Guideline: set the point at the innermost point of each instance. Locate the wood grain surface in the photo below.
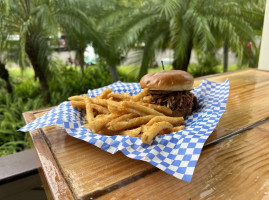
(237, 168)
(90, 172)
(247, 103)
(55, 182)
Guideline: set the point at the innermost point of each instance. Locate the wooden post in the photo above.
(264, 51)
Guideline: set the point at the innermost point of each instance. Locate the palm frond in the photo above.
(151, 45)
(168, 8)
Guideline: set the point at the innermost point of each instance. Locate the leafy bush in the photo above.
(28, 89)
(26, 96)
(64, 81)
(207, 64)
(67, 81)
(11, 109)
(128, 73)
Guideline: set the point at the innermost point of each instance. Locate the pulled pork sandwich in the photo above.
(172, 89)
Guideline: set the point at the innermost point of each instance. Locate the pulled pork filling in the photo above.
(177, 100)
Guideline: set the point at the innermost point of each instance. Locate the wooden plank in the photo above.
(80, 163)
(247, 103)
(56, 182)
(90, 171)
(234, 169)
(87, 169)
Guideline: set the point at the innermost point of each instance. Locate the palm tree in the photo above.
(35, 21)
(108, 15)
(5, 76)
(4, 44)
(184, 25)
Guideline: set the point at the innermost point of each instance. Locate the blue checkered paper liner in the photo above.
(176, 153)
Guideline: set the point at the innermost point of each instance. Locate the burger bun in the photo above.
(170, 80)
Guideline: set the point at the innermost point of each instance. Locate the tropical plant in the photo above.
(11, 109)
(36, 21)
(5, 76)
(108, 14)
(185, 25)
(3, 46)
(66, 81)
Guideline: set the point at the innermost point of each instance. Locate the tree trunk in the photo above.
(81, 68)
(5, 76)
(81, 61)
(183, 63)
(80, 57)
(32, 52)
(113, 72)
(225, 56)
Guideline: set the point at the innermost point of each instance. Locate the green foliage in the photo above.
(29, 89)
(37, 22)
(207, 64)
(65, 81)
(129, 73)
(26, 97)
(183, 25)
(11, 109)
(197, 70)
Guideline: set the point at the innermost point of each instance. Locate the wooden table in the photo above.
(234, 163)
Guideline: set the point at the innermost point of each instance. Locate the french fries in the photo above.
(98, 124)
(105, 93)
(100, 109)
(76, 98)
(140, 95)
(171, 120)
(133, 132)
(124, 117)
(141, 108)
(113, 113)
(89, 109)
(132, 123)
(154, 130)
(119, 96)
(78, 104)
(147, 99)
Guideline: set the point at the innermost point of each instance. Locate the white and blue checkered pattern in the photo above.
(175, 153)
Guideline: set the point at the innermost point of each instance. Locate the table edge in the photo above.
(36, 135)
